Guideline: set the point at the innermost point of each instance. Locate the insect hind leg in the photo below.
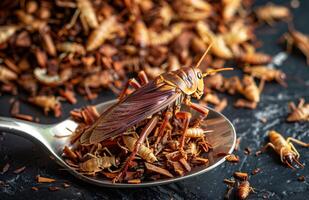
(301, 143)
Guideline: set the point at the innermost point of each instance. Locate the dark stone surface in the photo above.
(274, 182)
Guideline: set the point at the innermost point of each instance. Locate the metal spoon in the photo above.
(54, 137)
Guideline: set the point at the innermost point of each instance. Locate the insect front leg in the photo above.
(199, 108)
(149, 127)
(131, 82)
(186, 116)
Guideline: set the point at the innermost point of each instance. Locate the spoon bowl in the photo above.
(54, 137)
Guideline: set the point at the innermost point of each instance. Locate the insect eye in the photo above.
(199, 75)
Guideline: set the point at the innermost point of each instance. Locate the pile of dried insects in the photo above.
(52, 50)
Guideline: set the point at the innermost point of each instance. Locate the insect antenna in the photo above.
(302, 166)
(217, 70)
(289, 165)
(203, 56)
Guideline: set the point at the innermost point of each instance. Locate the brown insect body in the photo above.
(244, 190)
(272, 12)
(47, 103)
(97, 164)
(101, 33)
(88, 13)
(250, 90)
(285, 148)
(167, 89)
(266, 73)
(299, 113)
(143, 151)
(6, 74)
(300, 40)
(6, 32)
(195, 133)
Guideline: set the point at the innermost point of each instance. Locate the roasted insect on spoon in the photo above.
(155, 106)
(285, 148)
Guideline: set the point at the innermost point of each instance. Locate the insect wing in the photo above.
(141, 104)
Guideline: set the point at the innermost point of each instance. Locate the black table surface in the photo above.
(275, 181)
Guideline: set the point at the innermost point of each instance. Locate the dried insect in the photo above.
(166, 13)
(244, 189)
(243, 103)
(300, 40)
(88, 13)
(238, 34)
(193, 10)
(141, 35)
(272, 12)
(255, 58)
(165, 36)
(299, 113)
(102, 33)
(232, 158)
(241, 175)
(250, 90)
(6, 32)
(54, 80)
(7, 75)
(267, 74)
(193, 149)
(231, 85)
(215, 81)
(47, 103)
(164, 89)
(230, 8)
(143, 151)
(30, 21)
(97, 164)
(219, 47)
(71, 47)
(196, 132)
(285, 148)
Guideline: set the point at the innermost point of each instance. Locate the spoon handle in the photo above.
(29, 130)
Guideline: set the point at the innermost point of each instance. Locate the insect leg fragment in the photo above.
(149, 127)
(186, 116)
(143, 77)
(301, 143)
(268, 145)
(166, 119)
(201, 109)
(131, 82)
